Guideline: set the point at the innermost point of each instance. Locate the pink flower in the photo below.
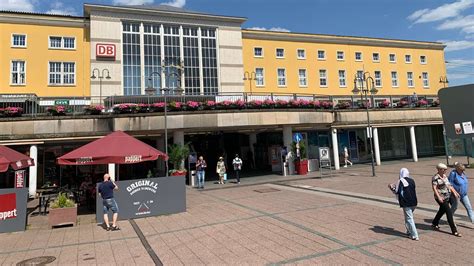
(239, 103)
(269, 102)
(226, 103)
(192, 104)
(210, 103)
(159, 105)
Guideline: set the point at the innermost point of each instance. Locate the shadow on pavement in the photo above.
(387, 231)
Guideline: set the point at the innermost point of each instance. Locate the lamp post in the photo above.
(364, 91)
(250, 76)
(100, 76)
(444, 80)
(179, 67)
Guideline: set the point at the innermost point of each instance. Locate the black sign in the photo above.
(13, 209)
(147, 197)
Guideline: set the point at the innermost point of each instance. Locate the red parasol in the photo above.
(117, 147)
(16, 160)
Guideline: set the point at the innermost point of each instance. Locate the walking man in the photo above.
(237, 162)
(106, 191)
(201, 171)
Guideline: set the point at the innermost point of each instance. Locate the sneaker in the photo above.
(345, 166)
(415, 238)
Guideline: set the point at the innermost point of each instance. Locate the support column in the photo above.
(287, 141)
(160, 163)
(335, 148)
(375, 134)
(112, 171)
(33, 171)
(413, 144)
(252, 142)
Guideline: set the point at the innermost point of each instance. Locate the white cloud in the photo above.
(452, 77)
(270, 29)
(460, 63)
(440, 13)
(58, 8)
(132, 2)
(176, 3)
(17, 5)
(457, 45)
(466, 24)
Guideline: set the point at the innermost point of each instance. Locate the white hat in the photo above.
(441, 166)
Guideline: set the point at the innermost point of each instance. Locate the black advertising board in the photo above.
(147, 197)
(457, 109)
(13, 209)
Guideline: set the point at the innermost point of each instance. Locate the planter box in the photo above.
(62, 216)
(301, 167)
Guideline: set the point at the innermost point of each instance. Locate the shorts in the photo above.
(110, 204)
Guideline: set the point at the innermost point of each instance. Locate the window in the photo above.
(56, 42)
(342, 78)
(301, 54)
(376, 57)
(281, 77)
(378, 79)
(18, 40)
(62, 73)
(358, 56)
(18, 73)
(426, 82)
(302, 78)
(132, 60)
(280, 53)
(407, 58)
(422, 59)
(392, 58)
(259, 77)
(394, 79)
(323, 78)
(321, 55)
(360, 76)
(258, 52)
(410, 79)
(340, 55)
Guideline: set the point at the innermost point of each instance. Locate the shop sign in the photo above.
(13, 209)
(20, 178)
(61, 102)
(324, 153)
(105, 50)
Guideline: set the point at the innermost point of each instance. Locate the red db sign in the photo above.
(103, 50)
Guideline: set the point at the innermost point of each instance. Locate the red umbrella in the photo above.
(117, 147)
(16, 160)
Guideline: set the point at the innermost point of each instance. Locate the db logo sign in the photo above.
(103, 50)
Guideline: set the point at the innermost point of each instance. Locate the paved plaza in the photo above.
(349, 218)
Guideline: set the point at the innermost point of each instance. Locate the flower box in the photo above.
(402, 104)
(94, 109)
(192, 105)
(143, 108)
(157, 107)
(344, 105)
(56, 110)
(326, 104)
(384, 104)
(422, 103)
(209, 105)
(176, 106)
(281, 104)
(11, 111)
(62, 216)
(125, 108)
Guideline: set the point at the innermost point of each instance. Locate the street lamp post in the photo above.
(100, 76)
(364, 91)
(444, 80)
(250, 76)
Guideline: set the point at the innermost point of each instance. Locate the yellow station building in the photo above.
(286, 62)
(46, 55)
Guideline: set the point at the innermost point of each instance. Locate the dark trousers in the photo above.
(445, 208)
(237, 175)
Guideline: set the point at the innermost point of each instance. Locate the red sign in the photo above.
(8, 206)
(20, 179)
(104, 50)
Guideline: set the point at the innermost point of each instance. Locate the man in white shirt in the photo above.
(237, 163)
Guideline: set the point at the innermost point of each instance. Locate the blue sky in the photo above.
(448, 21)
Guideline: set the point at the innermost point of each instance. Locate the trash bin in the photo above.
(193, 178)
(302, 167)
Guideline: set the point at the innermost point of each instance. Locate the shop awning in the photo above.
(13, 159)
(117, 147)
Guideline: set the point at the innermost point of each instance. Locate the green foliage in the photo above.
(177, 154)
(303, 154)
(62, 201)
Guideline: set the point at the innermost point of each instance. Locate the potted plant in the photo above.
(12, 111)
(301, 162)
(344, 105)
(422, 103)
(177, 154)
(56, 110)
(384, 104)
(125, 108)
(94, 109)
(62, 211)
(402, 103)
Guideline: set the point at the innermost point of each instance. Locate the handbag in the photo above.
(225, 176)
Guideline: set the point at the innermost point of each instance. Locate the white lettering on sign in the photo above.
(142, 185)
(133, 159)
(8, 214)
(84, 160)
(105, 50)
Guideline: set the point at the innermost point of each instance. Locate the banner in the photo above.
(20, 178)
(13, 209)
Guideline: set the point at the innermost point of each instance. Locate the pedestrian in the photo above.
(106, 191)
(201, 171)
(220, 169)
(237, 163)
(346, 157)
(405, 189)
(459, 181)
(442, 192)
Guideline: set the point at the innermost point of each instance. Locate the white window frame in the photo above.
(425, 80)
(394, 58)
(361, 56)
(298, 53)
(276, 53)
(359, 75)
(305, 78)
(254, 52)
(325, 78)
(18, 73)
(378, 57)
(19, 46)
(408, 56)
(62, 42)
(410, 80)
(324, 53)
(257, 77)
(343, 56)
(342, 84)
(379, 79)
(283, 78)
(394, 80)
(62, 73)
(421, 61)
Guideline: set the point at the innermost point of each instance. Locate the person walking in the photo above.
(405, 189)
(346, 157)
(442, 192)
(201, 171)
(459, 181)
(237, 163)
(106, 191)
(220, 169)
